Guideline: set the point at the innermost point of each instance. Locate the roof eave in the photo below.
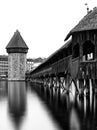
(68, 35)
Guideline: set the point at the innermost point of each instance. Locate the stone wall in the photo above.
(16, 66)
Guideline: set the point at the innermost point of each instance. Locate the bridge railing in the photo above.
(62, 65)
(88, 69)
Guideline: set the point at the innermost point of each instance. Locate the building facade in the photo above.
(31, 64)
(3, 65)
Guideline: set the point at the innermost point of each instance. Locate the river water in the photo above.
(21, 108)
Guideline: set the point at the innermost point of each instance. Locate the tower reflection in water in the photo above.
(17, 101)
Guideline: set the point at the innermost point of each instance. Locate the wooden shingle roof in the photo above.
(17, 41)
(89, 22)
(50, 58)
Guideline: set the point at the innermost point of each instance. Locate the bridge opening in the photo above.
(69, 49)
(88, 51)
(75, 51)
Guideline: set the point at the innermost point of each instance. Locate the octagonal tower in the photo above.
(17, 50)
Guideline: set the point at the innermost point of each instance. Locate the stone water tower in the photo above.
(17, 50)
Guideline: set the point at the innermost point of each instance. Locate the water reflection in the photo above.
(83, 113)
(26, 110)
(74, 120)
(22, 108)
(17, 101)
(3, 89)
(74, 111)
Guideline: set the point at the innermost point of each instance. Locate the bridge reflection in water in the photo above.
(71, 110)
(23, 107)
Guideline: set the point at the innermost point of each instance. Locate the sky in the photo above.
(43, 24)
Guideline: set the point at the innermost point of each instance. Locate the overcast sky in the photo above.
(43, 24)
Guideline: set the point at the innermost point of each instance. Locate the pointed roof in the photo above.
(17, 42)
(89, 22)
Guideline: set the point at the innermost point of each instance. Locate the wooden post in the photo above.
(95, 55)
(59, 91)
(95, 41)
(81, 52)
(81, 85)
(51, 90)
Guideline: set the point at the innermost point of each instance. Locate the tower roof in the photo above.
(17, 42)
(89, 22)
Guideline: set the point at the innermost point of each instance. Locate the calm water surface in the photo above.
(21, 108)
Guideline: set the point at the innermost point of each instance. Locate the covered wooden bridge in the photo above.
(75, 61)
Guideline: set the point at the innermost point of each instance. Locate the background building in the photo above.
(3, 65)
(31, 64)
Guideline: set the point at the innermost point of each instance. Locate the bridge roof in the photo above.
(54, 55)
(89, 22)
(17, 41)
(59, 50)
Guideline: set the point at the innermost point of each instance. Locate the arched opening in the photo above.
(76, 51)
(88, 51)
